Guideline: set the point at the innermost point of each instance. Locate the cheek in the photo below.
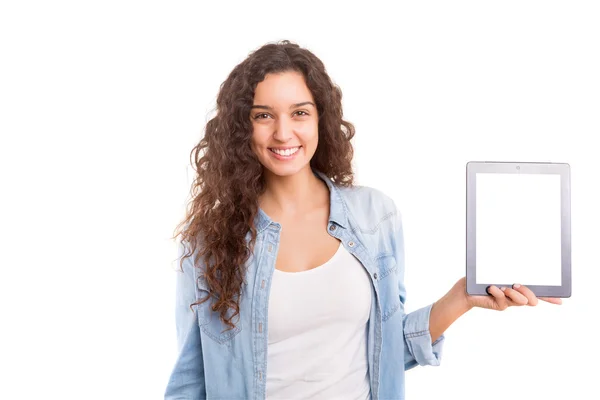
(312, 136)
(309, 132)
(258, 139)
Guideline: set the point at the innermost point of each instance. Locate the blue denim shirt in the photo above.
(213, 364)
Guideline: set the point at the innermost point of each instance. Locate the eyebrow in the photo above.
(292, 106)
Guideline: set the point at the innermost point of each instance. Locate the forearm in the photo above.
(447, 310)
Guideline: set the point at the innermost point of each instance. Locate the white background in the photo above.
(101, 103)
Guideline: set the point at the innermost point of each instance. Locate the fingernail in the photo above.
(516, 286)
(487, 289)
(503, 288)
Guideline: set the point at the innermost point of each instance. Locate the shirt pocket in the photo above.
(210, 321)
(387, 282)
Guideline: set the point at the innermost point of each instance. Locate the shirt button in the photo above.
(270, 247)
(332, 227)
(351, 243)
(375, 275)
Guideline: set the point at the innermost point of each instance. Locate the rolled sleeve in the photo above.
(418, 347)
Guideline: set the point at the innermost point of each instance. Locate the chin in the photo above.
(285, 170)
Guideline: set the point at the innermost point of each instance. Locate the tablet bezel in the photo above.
(562, 169)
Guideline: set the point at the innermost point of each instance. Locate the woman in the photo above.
(292, 277)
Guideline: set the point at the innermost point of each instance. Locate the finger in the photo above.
(501, 300)
(517, 298)
(532, 300)
(553, 300)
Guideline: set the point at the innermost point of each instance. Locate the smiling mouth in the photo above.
(285, 152)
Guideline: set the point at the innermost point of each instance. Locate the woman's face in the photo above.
(285, 122)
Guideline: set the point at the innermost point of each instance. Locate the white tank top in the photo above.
(317, 346)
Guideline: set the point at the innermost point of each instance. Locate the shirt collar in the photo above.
(337, 207)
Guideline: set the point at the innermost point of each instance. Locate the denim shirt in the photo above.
(216, 364)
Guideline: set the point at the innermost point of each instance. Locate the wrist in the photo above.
(459, 296)
(448, 309)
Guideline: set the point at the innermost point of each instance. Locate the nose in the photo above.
(283, 130)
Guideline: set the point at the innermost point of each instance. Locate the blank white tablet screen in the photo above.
(518, 229)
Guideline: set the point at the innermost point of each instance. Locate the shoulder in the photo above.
(185, 258)
(189, 265)
(188, 250)
(369, 206)
(359, 194)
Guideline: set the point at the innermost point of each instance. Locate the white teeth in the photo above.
(286, 152)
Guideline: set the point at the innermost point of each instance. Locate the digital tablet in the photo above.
(519, 226)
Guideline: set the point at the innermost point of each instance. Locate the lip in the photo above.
(283, 148)
(284, 158)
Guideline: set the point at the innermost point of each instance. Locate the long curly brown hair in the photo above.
(229, 180)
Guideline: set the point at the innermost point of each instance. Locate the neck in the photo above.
(292, 195)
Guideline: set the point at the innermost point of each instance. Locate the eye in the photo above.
(303, 113)
(259, 116)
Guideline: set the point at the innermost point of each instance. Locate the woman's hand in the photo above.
(504, 297)
(457, 302)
